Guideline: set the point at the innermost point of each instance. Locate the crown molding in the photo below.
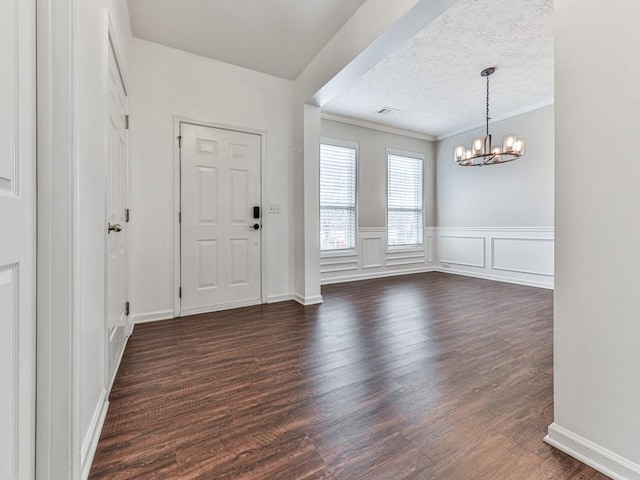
(453, 133)
(358, 122)
(376, 126)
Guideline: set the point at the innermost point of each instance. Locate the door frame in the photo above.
(112, 43)
(177, 121)
(57, 409)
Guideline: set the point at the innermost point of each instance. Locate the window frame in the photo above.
(414, 247)
(338, 142)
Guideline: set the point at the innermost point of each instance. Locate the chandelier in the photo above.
(482, 151)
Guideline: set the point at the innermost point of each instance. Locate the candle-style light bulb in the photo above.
(508, 142)
(478, 145)
(519, 146)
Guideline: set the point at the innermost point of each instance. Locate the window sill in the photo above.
(338, 253)
(406, 249)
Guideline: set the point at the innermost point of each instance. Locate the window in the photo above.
(337, 196)
(404, 200)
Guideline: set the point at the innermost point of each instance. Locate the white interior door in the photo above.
(220, 238)
(17, 239)
(116, 297)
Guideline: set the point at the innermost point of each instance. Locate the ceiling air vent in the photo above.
(387, 111)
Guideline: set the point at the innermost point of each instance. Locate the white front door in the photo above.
(17, 239)
(116, 228)
(220, 231)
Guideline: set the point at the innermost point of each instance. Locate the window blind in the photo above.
(337, 197)
(404, 200)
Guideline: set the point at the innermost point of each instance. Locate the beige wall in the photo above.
(372, 169)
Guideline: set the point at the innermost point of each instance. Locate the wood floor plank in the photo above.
(421, 377)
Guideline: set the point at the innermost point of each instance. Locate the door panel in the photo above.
(239, 196)
(117, 320)
(239, 261)
(207, 264)
(220, 249)
(9, 295)
(207, 199)
(17, 239)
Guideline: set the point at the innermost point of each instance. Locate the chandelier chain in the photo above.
(487, 105)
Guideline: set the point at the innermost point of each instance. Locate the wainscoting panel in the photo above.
(372, 251)
(394, 259)
(522, 255)
(430, 243)
(372, 259)
(461, 249)
(341, 263)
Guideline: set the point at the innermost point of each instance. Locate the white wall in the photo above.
(168, 82)
(515, 194)
(371, 34)
(597, 297)
(90, 213)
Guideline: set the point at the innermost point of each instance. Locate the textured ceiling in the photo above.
(434, 78)
(279, 37)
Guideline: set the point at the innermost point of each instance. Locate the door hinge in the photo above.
(127, 215)
(180, 141)
(126, 122)
(179, 217)
(179, 292)
(127, 308)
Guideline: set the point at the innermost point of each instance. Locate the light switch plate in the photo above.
(275, 208)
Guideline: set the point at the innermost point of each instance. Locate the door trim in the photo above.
(177, 121)
(57, 412)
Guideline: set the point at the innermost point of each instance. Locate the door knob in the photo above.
(116, 227)
(256, 226)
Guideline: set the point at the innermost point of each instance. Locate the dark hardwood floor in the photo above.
(428, 376)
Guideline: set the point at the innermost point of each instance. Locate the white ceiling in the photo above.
(434, 79)
(279, 37)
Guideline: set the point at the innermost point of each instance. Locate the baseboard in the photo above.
(168, 314)
(603, 460)
(90, 443)
(497, 278)
(306, 301)
(129, 331)
(115, 370)
(285, 297)
(372, 275)
(152, 316)
(220, 307)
